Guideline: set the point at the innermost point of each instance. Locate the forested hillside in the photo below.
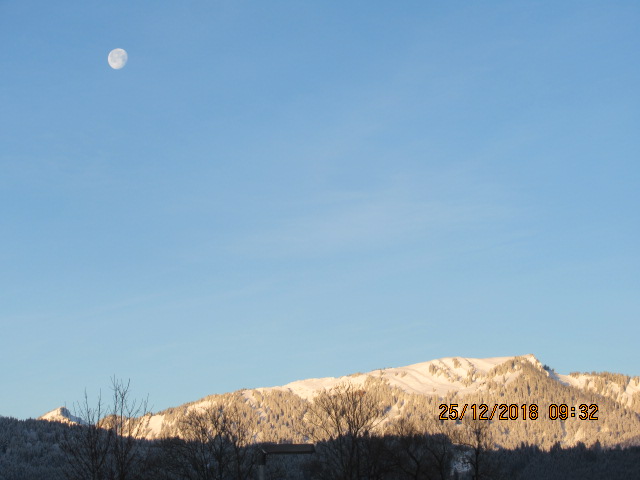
(519, 381)
(497, 418)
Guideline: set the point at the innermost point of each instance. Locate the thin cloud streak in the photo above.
(369, 222)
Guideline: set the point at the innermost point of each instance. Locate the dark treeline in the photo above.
(39, 450)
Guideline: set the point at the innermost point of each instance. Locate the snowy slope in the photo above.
(620, 388)
(436, 377)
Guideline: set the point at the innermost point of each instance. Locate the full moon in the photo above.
(118, 58)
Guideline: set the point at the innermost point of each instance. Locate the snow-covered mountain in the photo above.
(62, 415)
(464, 376)
(418, 388)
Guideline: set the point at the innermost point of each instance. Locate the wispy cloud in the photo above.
(346, 222)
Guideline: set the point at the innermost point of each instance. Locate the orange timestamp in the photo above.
(514, 411)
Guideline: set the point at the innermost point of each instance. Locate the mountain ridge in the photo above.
(417, 390)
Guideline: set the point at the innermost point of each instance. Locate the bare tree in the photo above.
(127, 423)
(410, 455)
(107, 445)
(343, 418)
(203, 451)
(439, 445)
(217, 441)
(422, 449)
(477, 435)
(86, 446)
(240, 426)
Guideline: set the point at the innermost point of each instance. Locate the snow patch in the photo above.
(155, 425)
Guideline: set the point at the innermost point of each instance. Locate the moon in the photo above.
(117, 58)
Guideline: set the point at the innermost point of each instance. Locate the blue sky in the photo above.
(271, 191)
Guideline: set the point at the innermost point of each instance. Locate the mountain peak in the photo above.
(63, 415)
